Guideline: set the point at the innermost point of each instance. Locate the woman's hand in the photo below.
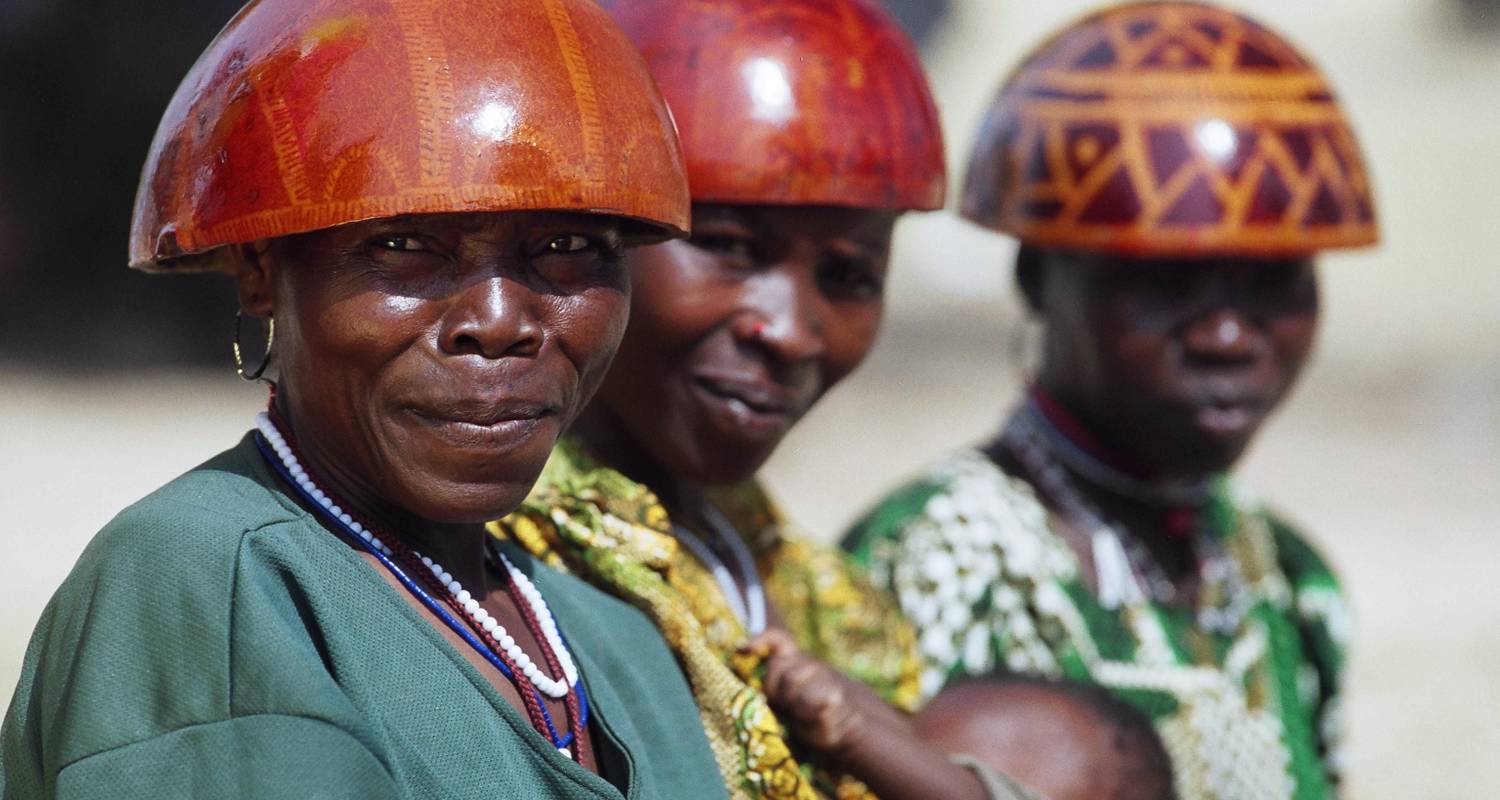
(848, 722)
(825, 709)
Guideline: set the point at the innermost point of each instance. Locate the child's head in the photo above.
(1069, 741)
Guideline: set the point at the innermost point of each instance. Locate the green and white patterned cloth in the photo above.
(1252, 714)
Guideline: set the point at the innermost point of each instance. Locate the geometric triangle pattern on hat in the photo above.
(1171, 129)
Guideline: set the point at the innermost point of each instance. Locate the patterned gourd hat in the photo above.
(306, 114)
(1170, 129)
(794, 102)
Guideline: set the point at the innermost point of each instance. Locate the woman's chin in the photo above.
(727, 464)
(471, 496)
(471, 504)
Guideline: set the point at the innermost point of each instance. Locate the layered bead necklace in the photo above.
(1127, 572)
(437, 590)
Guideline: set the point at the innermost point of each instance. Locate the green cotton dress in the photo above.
(214, 640)
(1245, 714)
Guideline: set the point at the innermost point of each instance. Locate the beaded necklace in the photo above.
(1128, 574)
(1077, 449)
(479, 629)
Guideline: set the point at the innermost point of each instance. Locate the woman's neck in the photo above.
(1159, 515)
(1067, 415)
(611, 442)
(460, 548)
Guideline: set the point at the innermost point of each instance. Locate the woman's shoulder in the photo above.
(967, 550)
(1297, 556)
(175, 560)
(178, 551)
(136, 640)
(960, 497)
(190, 532)
(216, 501)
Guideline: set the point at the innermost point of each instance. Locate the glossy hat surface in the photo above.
(807, 102)
(306, 114)
(1173, 129)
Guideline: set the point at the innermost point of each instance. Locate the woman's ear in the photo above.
(253, 274)
(1031, 277)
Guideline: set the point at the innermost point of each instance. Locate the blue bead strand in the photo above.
(559, 741)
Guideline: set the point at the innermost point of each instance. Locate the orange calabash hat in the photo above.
(1170, 129)
(306, 114)
(801, 102)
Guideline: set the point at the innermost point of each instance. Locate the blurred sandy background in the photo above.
(1387, 453)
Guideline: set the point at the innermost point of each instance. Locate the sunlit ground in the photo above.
(1396, 476)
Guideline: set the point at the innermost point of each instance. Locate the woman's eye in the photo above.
(570, 243)
(401, 244)
(731, 246)
(848, 277)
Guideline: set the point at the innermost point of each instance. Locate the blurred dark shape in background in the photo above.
(921, 17)
(1479, 16)
(82, 86)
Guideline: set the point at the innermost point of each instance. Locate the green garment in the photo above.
(214, 640)
(1249, 713)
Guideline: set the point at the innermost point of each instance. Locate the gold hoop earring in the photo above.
(239, 362)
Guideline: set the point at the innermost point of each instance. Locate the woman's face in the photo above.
(1176, 363)
(735, 333)
(431, 362)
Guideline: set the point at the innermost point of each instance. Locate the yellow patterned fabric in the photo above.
(613, 532)
(826, 600)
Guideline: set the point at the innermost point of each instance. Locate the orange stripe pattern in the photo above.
(305, 114)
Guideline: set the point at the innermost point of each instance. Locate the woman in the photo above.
(430, 204)
(808, 129)
(1172, 170)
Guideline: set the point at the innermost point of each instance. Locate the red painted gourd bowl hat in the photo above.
(1170, 129)
(794, 102)
(307, 114)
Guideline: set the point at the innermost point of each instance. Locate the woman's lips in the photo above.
(745, 409)
(1226, 420)
(1226, 417)
(762, 397)
(472, 425)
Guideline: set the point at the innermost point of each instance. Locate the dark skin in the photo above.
(1174, 365)
(734, 335)
(1050, 740)
(428, 364)
(858, 731)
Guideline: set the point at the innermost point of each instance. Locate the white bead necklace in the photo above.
(551, 687)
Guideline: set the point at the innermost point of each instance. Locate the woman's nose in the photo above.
(493, 318)
(1224, 334)
(787, 317)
